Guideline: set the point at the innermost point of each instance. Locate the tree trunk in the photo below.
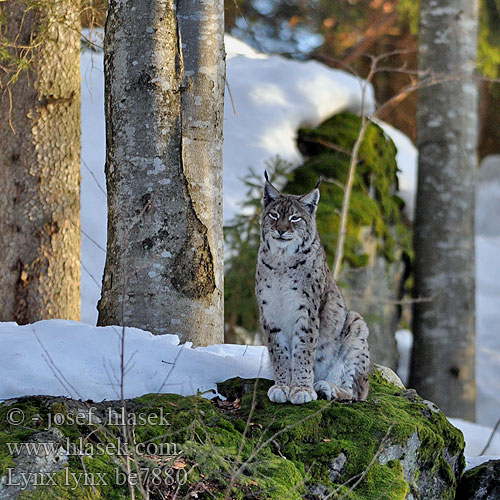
(40, 165)
(444, 327)
(164, 90)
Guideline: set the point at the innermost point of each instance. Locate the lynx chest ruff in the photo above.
(285, 291)
(316, 345)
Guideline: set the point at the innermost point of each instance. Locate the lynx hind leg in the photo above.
(347, 377)
(357, 359)
(331, 391)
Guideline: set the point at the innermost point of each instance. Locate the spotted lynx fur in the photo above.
(316, 345)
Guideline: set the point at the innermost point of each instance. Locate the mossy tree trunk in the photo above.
(164, 90)
(40, 163)
(444, 325)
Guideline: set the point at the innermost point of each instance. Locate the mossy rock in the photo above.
(250, 448)
(481, 482)
(374, 203)
(377, 247)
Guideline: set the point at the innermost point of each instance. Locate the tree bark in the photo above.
(164, 90)
(444, 327)
(40, 165)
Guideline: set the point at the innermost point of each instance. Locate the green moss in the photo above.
(387, 479)
(33, 418)
(258, 449)
(373, 203)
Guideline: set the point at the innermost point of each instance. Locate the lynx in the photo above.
(317, 347)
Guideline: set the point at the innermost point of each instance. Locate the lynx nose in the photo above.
(281, 228)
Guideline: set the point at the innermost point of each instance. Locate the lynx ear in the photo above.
(270, 192)
(311, 199)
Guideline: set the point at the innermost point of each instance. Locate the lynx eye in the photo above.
(273, 216)
(294, 218)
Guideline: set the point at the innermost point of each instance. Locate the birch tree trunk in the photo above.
(40, 164)
(164, 90)
(444, 327)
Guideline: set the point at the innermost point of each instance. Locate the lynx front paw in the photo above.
(301, 395)
(278, 393)
(331, 391)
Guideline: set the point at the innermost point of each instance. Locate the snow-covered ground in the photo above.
(271, 98)
(68, 358)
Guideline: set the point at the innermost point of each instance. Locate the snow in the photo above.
(404, 340)
(67, 358)
(488, 291)
(270, 98)
(406, 158)
(476, 437)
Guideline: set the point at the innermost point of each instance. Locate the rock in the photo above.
(393, 446)
(35, 465)
(481, 482)
(388, 375)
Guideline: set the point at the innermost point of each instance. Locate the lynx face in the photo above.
(288, 221)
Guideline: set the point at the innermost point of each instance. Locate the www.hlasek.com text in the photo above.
(84, 448)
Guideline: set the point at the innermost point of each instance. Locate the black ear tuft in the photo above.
(270, 192)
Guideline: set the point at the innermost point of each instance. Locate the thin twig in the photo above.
(54, 368)
(486, 446)
(374, 300)
(432, 80)
(339, 250)
(91, 239)
(245, 431)
(231, 97)
(287, 428)
(328, 144)
(98, 285)
(125, 427)
(103, 191)
(94, 491)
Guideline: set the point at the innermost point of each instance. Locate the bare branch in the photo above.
(487, 445)
(103, 191)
